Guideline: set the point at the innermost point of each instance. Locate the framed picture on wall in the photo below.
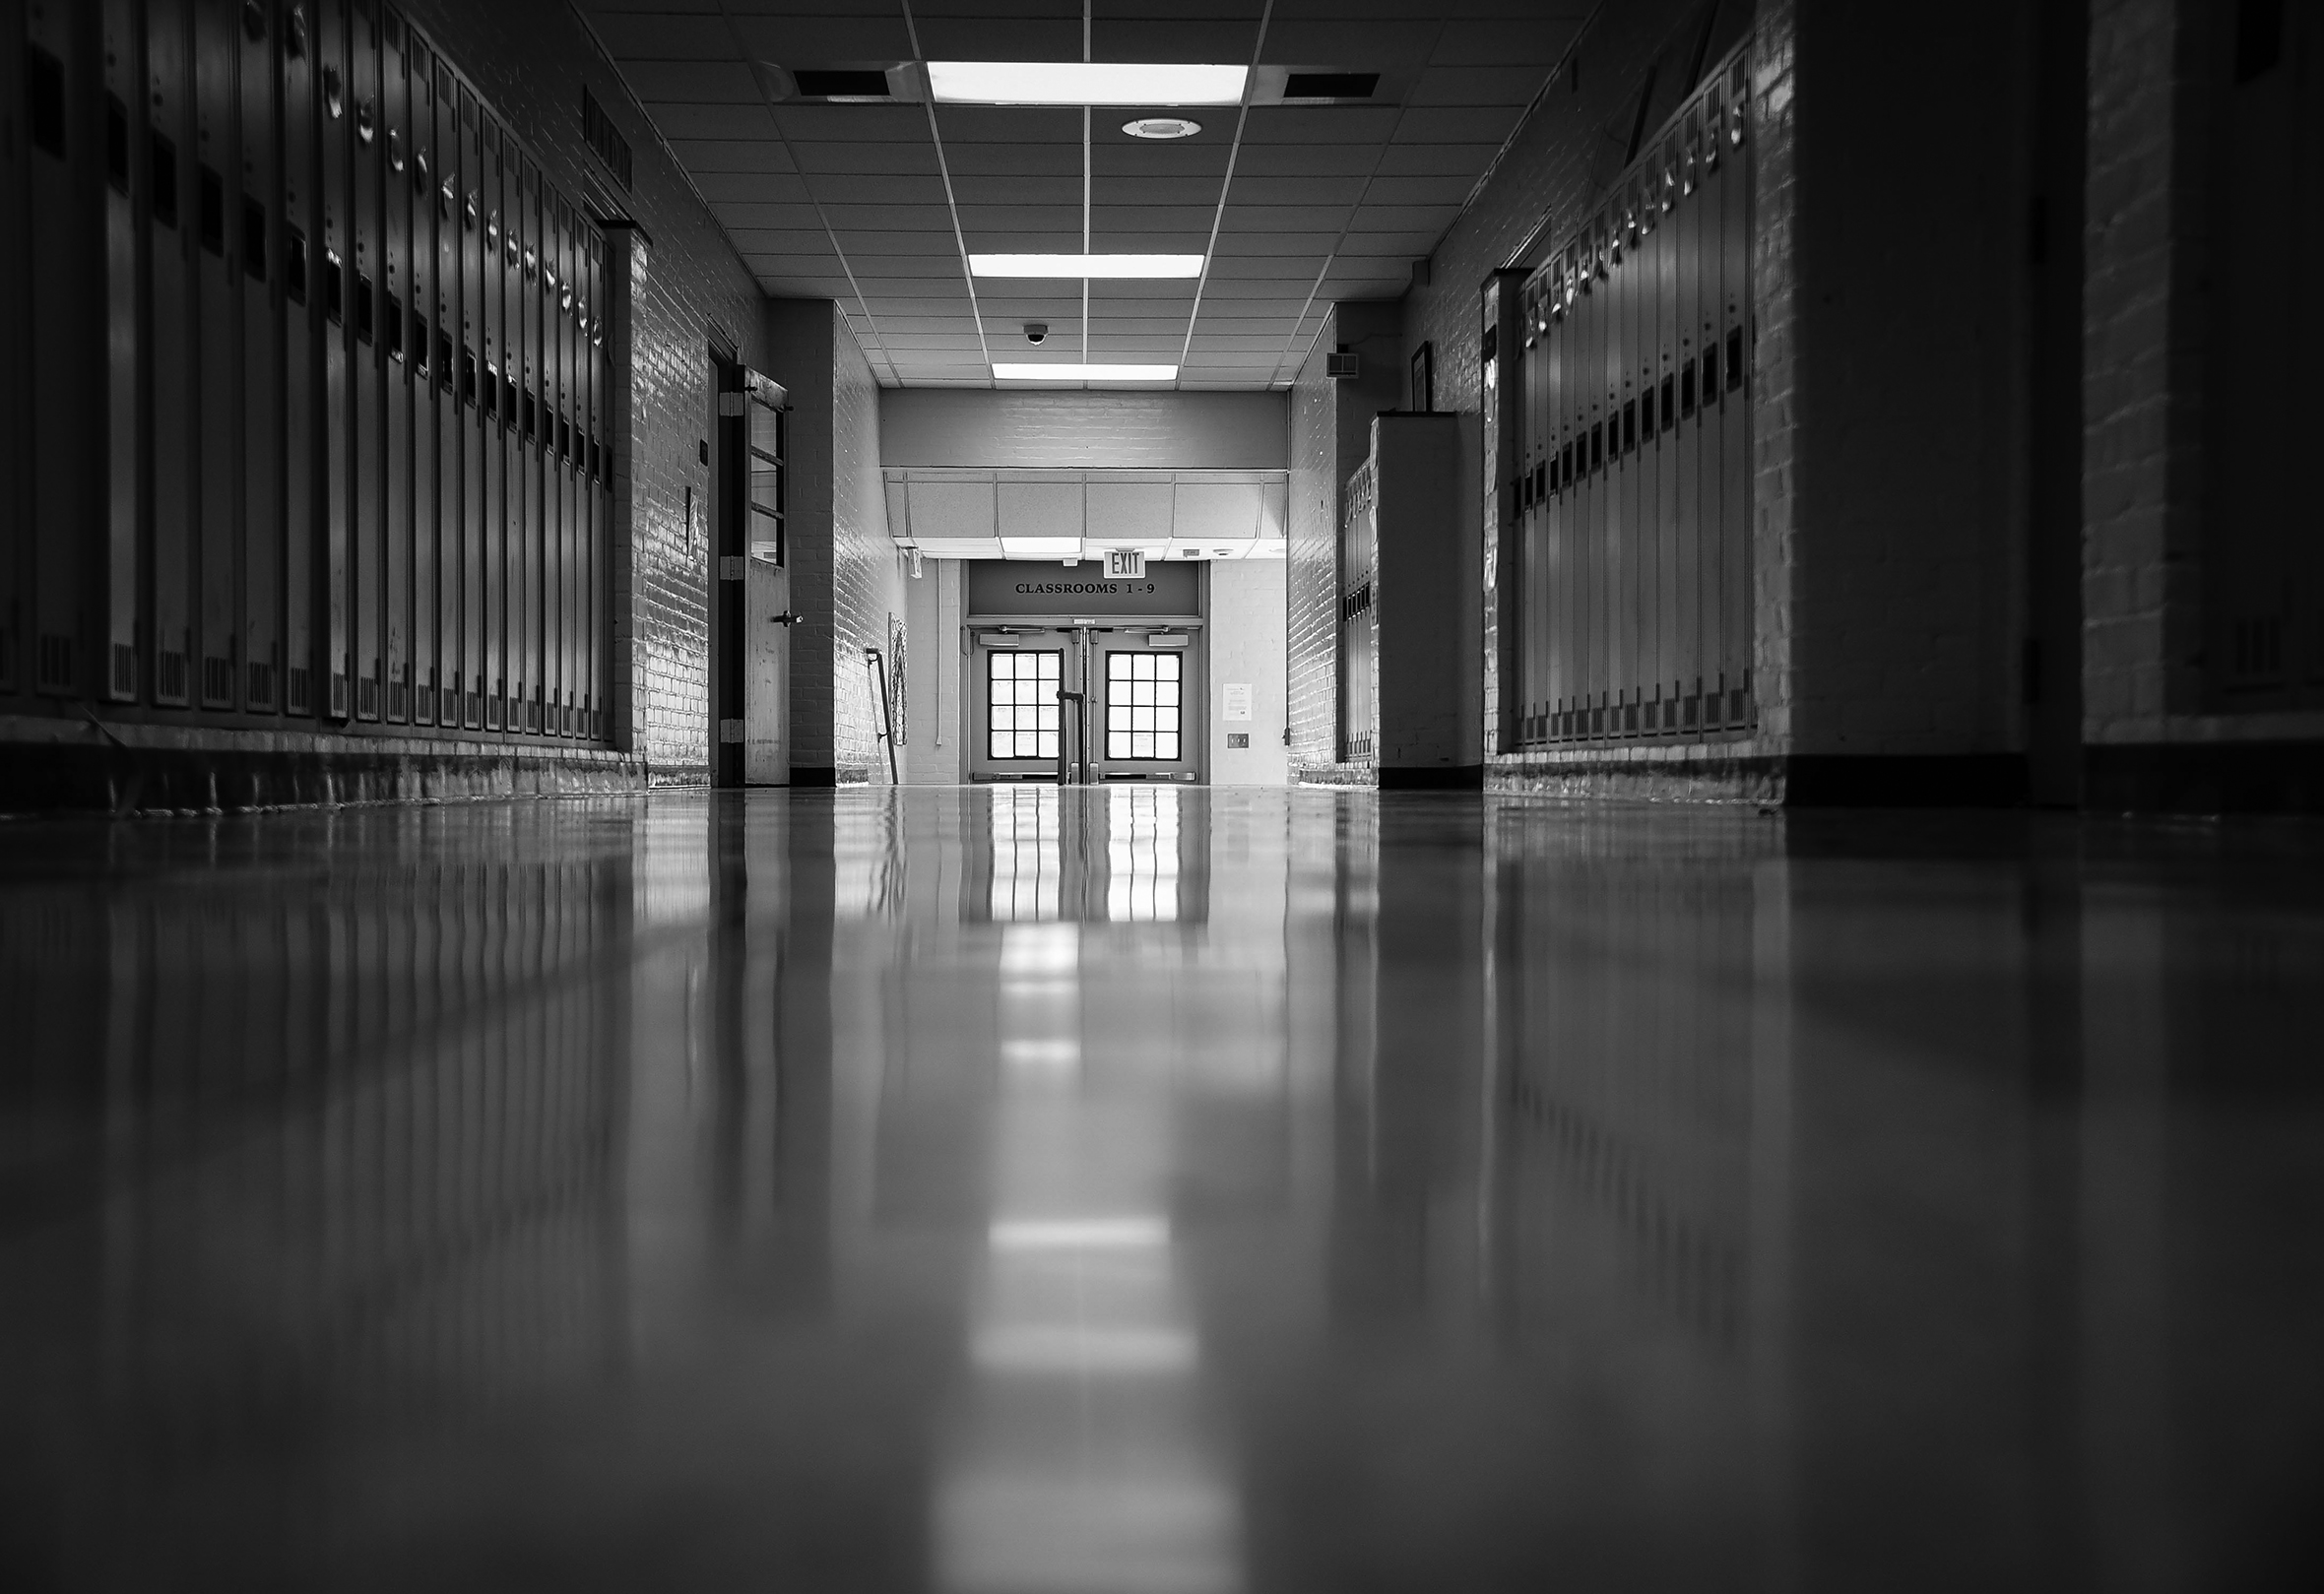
(1424, 377)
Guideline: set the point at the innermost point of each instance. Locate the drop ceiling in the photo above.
(875, 204)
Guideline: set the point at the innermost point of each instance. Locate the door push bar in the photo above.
(1073, 771)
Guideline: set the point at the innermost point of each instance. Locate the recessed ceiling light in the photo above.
(1084, 83)
(1161, 127)
(1079, 266)
(1058, 371)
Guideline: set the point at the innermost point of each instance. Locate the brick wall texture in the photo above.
(532, 58)
(2142, 386)
(1312, 574)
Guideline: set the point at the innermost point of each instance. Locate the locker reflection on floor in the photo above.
(1161, 1189)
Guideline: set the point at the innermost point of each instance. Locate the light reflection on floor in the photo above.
(1149, 1188)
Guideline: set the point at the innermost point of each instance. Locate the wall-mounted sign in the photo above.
(1126, 564)
(1081, 593)
(1237, 709)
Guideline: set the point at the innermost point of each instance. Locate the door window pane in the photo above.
(1021, 688)
(1142, 706)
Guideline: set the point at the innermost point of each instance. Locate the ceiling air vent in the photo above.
(840, 84)
(1330, 84)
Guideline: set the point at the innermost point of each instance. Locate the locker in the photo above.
(1669, 515)
(170, 320)
(302, 319)
(124, 475)
(335, 280)
(394, 163)
(1735, 406)
(493, 671)
(419, 198)
(597, 613)
(367, 369)
(475, 424)
(451, 335)
(16, 510)
(261, 646)
(528, 503)
(1687, 230)
(1616, 678)
(557, 669)
(1702, 129)
(218, 352)
(61, 155)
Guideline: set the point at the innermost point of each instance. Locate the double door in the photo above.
(1103, 703)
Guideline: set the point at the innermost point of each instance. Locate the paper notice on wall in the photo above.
(1238, 702)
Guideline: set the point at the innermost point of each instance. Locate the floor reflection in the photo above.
(1153, 1189)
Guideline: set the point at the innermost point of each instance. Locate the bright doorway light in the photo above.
(1084, 83)
(1083, 266)
(1058, 371)
(1041, 547)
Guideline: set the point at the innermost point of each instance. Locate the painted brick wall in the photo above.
(1229, 431)
(1312, 565)
(1247, 645)
(866, 576)
(844, 577)
(2142, 384)
(532, 58)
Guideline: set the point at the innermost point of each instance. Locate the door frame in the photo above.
(1084, 643)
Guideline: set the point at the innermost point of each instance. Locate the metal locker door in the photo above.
(1687, 231)
(1622, 416)
(63, 152)
(367, 370)
(1711, 289)
(596, 599)
(1594, 540)
(302, 349)
(491, 664)
(451, 337)
(262, 365)
(1668, 517)
(572, 306)
(219, 357)
(15, 232)
(124, 475)
(1739, 630)
(419, 354)
(529, 503)
(476, 380)
(1639, 372)
(335, 281)
(393, 165)
(170, 323)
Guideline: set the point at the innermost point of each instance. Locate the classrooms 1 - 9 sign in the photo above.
(1018, 588)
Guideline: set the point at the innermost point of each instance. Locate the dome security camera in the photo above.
(1036, 331)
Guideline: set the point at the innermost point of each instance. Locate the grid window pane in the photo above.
(1142, 705)
(1020, 687)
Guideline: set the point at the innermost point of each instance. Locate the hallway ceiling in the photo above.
(1295, 203)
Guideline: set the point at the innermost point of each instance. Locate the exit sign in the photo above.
(1124, 563)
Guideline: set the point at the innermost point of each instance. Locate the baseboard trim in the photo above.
(2204, 777)
(1805, 781)
(125, 781)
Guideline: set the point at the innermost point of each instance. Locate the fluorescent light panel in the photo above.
(1058, 371)
(1083, 266)
(1041, 547)
(1084, 83)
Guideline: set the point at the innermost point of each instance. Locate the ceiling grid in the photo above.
(1291, 203)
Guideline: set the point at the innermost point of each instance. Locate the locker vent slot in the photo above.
(367, 697)
(118, 144)
(363, 308)
(254, 250)
(338, 695)
(45, 100)
(169, 677)
(398, 701)
(125, 669)
(212, 198)
(262, 686)
(164, 180)
(420, 343)
(56, 663)
(217, 682)
(300, 700)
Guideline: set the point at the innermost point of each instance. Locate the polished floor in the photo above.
(1156, 1190)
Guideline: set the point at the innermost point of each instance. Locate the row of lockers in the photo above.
(1632, 489)
(306, 378)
